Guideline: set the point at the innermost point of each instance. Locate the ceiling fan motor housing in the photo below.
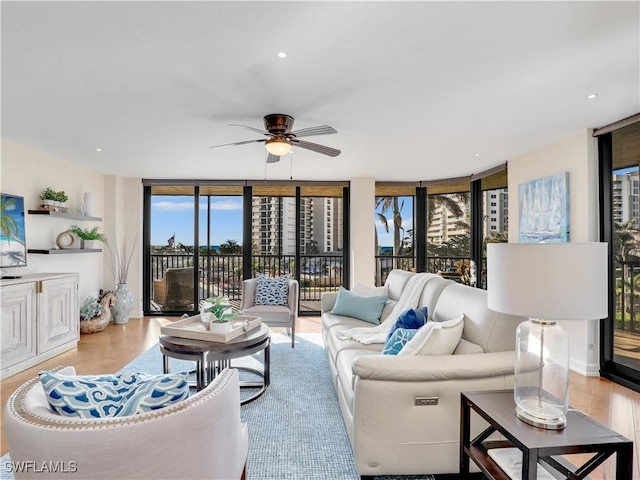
(278, 123)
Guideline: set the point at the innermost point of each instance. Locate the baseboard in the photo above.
(585, 369)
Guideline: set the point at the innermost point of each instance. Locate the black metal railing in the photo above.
(222, 274)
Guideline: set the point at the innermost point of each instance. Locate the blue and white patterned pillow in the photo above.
(272, 291)
(97, 396)
(398, 339)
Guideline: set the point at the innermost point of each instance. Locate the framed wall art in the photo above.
(543, 209)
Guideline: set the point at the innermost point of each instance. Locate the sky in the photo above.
(174, 215)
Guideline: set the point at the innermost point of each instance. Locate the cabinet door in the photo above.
(18, 323)
(58, 319)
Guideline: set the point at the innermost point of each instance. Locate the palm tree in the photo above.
(385, 204)
(8, 225)
(625, 241)
(230, 247)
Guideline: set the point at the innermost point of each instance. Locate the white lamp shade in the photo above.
(555, 281)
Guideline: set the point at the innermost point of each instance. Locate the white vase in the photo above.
(217, 327)
(88, 203)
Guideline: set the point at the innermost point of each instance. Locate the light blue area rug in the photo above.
(295, 428)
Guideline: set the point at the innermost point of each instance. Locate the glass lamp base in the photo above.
(544, 416)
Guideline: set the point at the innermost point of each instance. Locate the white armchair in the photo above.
(272, 315)
(200, 437)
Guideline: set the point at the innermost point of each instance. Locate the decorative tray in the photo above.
(192, 327)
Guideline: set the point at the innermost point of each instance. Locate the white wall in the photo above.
(576, 155)
(26, 172)
(362, 227)
(127, 222)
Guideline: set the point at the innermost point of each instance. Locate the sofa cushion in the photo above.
(465, 347)
(363, 307)
(398, 340)
(272, 291)
(98, 396)
(435, 338)
(362, 289)
(412, 318)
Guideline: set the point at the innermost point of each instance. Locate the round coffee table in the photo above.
(213, 357)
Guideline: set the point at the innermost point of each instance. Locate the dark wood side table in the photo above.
(581, 435)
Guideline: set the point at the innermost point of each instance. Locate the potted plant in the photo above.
(89, 236)
(95, 313)
(47, 198)
(61, 198)
(217, 313)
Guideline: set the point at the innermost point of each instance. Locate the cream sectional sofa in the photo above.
(378, 393)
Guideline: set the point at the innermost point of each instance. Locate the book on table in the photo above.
(510, 461)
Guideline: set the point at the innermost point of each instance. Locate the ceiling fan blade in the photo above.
(318, 130)
(240, 143)
(271, 158)
(249, 128)
(332, 152)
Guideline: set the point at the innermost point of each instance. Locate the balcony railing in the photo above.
(222, 274)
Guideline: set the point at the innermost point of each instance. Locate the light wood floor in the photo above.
(612, 405)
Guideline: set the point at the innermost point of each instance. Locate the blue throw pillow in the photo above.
(398, 340)
(363, 307)
(98, 396)
(272, 291)
(412, 318)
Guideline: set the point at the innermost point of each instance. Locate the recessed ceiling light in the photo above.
(282, 54)
(477, 154)
(98, 149)
(592, 96)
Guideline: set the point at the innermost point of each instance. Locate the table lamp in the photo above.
(546, 282)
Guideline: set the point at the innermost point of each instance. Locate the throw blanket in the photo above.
(408, 299)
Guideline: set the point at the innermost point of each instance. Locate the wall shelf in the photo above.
(63, 251)
(72, 216)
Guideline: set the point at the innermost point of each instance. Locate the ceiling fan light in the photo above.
(278, 146)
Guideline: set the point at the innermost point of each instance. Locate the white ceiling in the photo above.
(414, 89)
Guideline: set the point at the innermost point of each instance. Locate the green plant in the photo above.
(220, 307)
(90, 308)
(48, 194)
(61, 196)
(88, 234)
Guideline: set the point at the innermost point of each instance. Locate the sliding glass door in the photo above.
(620, 218)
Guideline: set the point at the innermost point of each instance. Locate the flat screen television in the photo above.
(13, 241)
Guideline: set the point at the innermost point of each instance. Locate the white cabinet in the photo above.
(40, 319)
(18, 325)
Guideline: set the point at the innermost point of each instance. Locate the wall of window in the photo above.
(619, 157)
(203, 239)
(394, 212)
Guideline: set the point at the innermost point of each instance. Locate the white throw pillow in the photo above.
(362, 289)
(435, 338)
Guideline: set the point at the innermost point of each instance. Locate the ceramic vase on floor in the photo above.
(123, 304)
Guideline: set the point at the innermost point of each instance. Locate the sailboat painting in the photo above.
(543, 209)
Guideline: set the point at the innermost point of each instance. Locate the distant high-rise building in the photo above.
(496, 211)
(273, 225)
(445, 225)
(625, 198)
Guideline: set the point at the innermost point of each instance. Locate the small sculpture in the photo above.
(99, 322)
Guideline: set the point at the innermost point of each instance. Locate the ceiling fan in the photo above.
(277, 127)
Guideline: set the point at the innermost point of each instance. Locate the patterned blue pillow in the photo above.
(272, 291)
(411, 318)
(398, 340)
(97, 396)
